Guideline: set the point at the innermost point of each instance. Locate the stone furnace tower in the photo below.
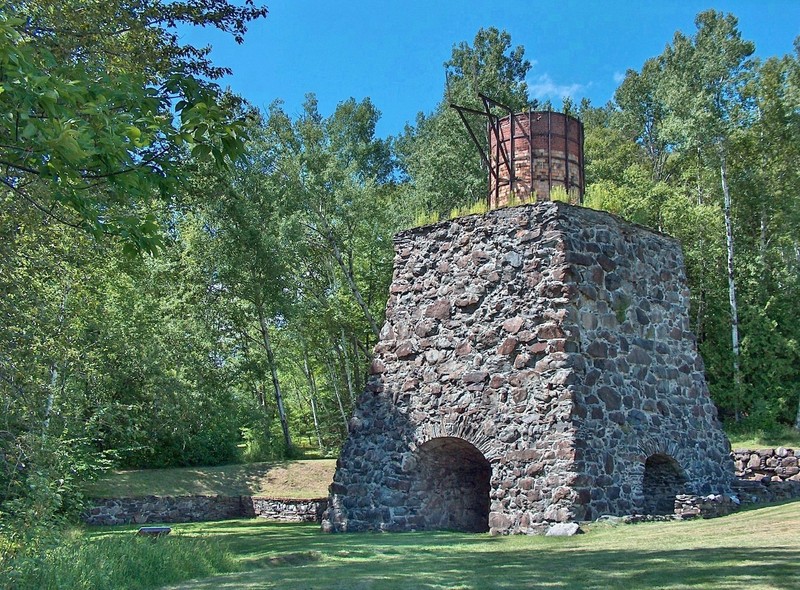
(536, 366)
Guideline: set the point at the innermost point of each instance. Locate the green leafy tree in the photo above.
(101, 103)
(334, 177)
(700, 144)
(767, 212)
(101, 109)
(702, 89)
(243, 243)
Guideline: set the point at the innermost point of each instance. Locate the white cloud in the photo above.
(619, 77)
(544, 87)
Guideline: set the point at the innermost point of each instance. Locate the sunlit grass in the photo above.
(779, 436)
(753, 549)
(288, 479)
(76, 560)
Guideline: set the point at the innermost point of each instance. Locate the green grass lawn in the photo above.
(755, 549)
(287, 479)
(779, 437)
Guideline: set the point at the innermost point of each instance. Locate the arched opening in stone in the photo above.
(663, 480)
(453, 485)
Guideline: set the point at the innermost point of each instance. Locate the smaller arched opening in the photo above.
(663, 481)
(453, 485)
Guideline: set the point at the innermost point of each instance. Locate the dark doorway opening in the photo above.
(663, 480)
(453, 485)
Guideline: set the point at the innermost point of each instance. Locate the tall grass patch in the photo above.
(77, 560)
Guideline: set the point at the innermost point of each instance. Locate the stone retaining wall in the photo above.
(168, 509)
(766, 475)
(762, 475)
(713, 505)
(779, 464)
(288, 510)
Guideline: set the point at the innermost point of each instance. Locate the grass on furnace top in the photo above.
(287, 479)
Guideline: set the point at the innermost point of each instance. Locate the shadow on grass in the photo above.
(544, 568)
(754, 549)
(295, 556)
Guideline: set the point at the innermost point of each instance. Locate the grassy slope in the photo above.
(293, 479)
(781, 437)
(754, 549)
(290, 479)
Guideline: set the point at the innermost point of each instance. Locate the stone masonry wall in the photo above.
(640, 389)
(169, 509)
(764, 475)
(779, 464)
(547, 342)
(469, 350)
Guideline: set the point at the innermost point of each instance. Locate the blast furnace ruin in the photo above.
(536, 366)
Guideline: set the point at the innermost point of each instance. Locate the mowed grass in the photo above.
(754, 549)
(287, 479)
(784, 436)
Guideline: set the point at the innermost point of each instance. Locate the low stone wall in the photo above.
(762, 475)
(287, 509)
(779, 464)
(170, 509)
(711, 506)
(766, 475)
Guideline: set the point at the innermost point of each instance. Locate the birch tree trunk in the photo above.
(274, 372)
(797, 418)
(351, 282)
(797, 258)
(53, 369)
(312, 394)
(347, 370)
(737, 378)
(335, 383)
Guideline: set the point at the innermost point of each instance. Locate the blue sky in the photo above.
(393, 51)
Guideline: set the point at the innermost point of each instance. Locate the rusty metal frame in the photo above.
(492, 129)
